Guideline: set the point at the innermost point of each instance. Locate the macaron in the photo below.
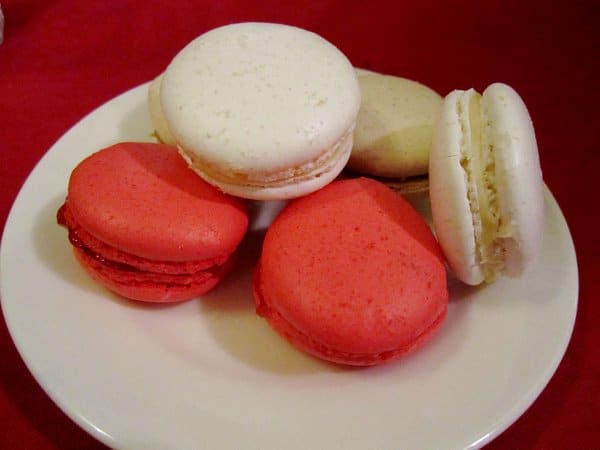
(392, 138)
(157, 118)
(262, 111)
(352, 274)
(486, 186)
(148, 228)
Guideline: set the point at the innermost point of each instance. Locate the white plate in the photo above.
(211, 374)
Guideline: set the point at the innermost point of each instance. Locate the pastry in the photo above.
(392, 138)
(262, 110)
(148, 228)
(486, 186)
(352, 274)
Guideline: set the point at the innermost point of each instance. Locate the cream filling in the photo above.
(252, 178)
(479, 165)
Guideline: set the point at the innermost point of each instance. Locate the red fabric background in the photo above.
(60, 59)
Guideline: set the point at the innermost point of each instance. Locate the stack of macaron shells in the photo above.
(145, 226)
(349, 271)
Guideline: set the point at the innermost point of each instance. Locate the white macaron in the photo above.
(262, 110)
(161, 128)
(485, 182)
(392, 138)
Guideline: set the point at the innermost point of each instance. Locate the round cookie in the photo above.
(262, 110)
(352, 274)
(148, 228)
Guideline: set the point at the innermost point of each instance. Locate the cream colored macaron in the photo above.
(393, 130)
(486, 186)
(262, 110)
(161, 128)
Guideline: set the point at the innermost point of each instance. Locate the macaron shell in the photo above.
(394, 126)
(81, 238)
(151, 287)
(259, 97)
(518, 174)
(305, 343)
(451, 213)
(353, 272)
(161, 128)
(142, 199)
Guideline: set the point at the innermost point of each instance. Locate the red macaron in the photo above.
(352, 274)
(147, 227)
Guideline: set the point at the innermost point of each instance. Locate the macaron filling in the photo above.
(326, 162)
(479, 166)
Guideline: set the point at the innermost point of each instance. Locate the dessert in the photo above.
(159, 124)
(262, 110)
(148, 228)
(352, 274)
(486, 186)
(392, 138)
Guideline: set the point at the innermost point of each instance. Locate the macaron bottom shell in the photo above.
(152, 287)
(320, 350)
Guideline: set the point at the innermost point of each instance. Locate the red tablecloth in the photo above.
(62, 58)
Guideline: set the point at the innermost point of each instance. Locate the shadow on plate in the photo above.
(229, 314)
(52, 245)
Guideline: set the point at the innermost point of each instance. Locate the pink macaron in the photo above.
(352, 274)
(147, 227)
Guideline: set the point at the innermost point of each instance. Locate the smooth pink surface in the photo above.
(353, 273)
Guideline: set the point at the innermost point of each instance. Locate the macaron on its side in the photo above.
(261, 110)
(486, 186)
(352, 274)
(147, 227)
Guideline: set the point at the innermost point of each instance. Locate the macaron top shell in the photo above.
(519, 182)
(354, 268)
(259, 97)
(141, 198)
